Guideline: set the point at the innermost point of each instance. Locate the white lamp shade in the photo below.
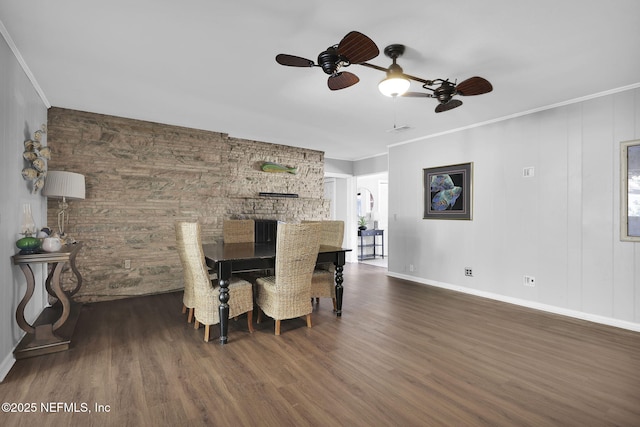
(394, 86)
(60, 184)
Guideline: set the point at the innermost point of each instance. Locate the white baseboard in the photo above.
(6, 365)
(524, 303)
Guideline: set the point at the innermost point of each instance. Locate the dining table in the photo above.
(228, 258)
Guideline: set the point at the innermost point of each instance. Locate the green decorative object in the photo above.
(362, 223)
(28, 245)
(275, 168)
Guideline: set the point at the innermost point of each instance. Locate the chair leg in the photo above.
(335, 307)
(184, 309)
(196, 324)
(317, 300)
(190, 316)
(250, 320)
(259, 319)
(206, 332)
(278, 327)
(309, 320)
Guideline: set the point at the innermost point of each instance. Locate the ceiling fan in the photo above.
(356, 48)
(397, 83)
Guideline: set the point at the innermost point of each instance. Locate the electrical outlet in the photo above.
(127, 264)
(528, 172)
(468, 272)
(530, 281)
(412, 268)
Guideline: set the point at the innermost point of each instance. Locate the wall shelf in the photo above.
(282, 195)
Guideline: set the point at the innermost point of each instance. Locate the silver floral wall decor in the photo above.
(37, 155)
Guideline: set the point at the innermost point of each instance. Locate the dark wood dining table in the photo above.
(229, 258)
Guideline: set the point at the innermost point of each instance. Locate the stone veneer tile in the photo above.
(141, 177)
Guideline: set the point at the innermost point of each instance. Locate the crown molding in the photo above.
(23, 64)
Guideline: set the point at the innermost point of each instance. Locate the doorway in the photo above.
(372, 211)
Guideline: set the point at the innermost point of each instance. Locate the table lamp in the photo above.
(64, 185)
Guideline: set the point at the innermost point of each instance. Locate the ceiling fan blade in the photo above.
(448, 105)
(293, 61)
(357, 48)
(342, 80)
(417, 95)
(474, 86)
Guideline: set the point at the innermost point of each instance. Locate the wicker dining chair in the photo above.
(206, 301)
(323, 283)
(238, 231)
(188, 300)
(286, 295)
(241, 231)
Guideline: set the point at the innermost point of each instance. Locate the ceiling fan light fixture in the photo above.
(394, 85)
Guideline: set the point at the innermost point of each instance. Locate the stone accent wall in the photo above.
(141, 177)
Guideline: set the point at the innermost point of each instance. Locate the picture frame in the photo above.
(630, 191)
(448, 192)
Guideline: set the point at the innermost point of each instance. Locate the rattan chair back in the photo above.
(323, 284)
(331, 233)
(296, 253)
(287, 294)
(238, 231)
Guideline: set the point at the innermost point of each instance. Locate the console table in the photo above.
(52, 331)
(363, 244)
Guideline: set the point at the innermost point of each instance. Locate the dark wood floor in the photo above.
(402, 354)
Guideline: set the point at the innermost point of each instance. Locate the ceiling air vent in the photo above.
(398, 129)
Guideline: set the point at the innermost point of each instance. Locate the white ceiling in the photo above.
(210, 64)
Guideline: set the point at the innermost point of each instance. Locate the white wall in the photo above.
(336, 167)
(561, 226)
(21, 113)
(371, 165)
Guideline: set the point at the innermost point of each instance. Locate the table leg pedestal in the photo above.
(339, 264)
(339, 291)
(45, 340)
(52, 330)
(224, 278)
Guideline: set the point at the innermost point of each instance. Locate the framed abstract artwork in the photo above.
(448, 192)
(630, 191)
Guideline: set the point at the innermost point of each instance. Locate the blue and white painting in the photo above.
(447, 192)
(444, 193)
(633, 190)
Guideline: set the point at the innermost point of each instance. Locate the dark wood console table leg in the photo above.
(31, 284)
(41, 337)
(52, 331)
(76, 272)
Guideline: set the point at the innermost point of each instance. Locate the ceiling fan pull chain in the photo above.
(395, 112)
